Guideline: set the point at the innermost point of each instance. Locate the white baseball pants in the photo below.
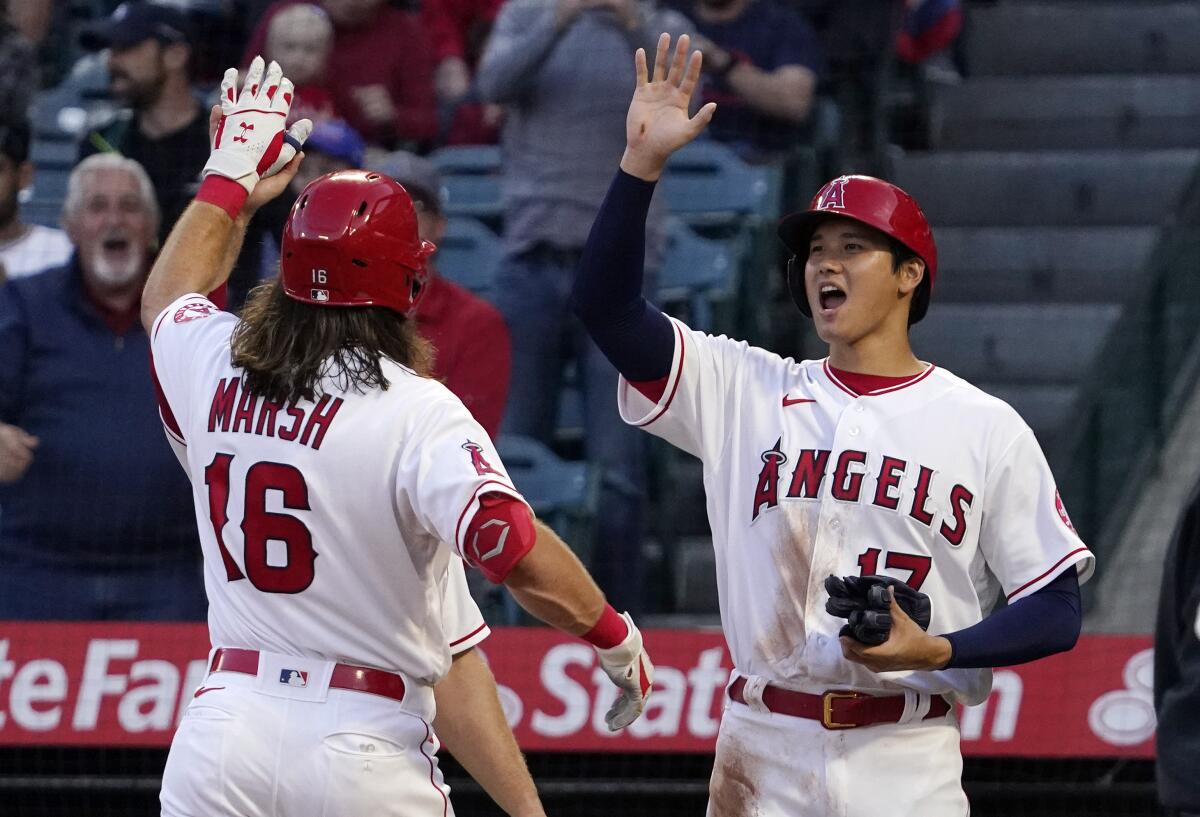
(252, 746)
(772, 765)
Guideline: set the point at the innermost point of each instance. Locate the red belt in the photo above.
(834, 709)
(345, 676)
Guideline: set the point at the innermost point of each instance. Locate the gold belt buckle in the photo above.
(827, 710)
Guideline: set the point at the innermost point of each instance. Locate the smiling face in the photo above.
(853, 284)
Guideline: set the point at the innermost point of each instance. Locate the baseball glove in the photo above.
(863, 601)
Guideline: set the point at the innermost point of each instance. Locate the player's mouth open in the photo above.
(831, 297)
(115, 244)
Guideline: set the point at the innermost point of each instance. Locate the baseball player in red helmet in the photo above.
(868, 510)
(339, 490)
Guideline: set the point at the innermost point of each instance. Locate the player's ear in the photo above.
(909, 274)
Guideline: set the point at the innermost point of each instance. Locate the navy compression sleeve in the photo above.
(1041, 624)
(635, 336)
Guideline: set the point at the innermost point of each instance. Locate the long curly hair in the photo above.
(287, 348)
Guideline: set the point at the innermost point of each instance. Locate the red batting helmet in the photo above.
(351, 240)
(865, 199)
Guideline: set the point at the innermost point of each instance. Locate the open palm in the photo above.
(658, 123)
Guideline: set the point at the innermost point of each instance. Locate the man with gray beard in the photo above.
(97, 520)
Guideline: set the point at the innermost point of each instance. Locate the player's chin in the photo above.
(831, 328)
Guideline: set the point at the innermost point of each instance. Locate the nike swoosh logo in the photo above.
(791, 401)
(202, 690)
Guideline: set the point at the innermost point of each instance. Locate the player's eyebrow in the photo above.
(845, 234)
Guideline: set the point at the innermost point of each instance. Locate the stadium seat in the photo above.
(471, 178)
(1015, 343)
(563, 494)
(60, 117)
(1101, 36)
(706, 183)
(698, 272)
(469, 255)
(1042, 264)
(1070, 112)
(1063, 188)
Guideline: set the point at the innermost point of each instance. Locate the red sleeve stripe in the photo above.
(674, 387)
(158, 322)
(489, 485)
(1032, 582)
(164, 408)
(469, 635)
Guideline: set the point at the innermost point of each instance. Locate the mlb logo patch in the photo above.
(293, 677)
(319, 294)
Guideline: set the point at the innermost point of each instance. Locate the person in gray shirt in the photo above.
(563, 69)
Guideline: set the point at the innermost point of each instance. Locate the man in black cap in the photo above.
(165, 127)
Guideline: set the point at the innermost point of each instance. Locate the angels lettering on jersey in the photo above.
(847, 474)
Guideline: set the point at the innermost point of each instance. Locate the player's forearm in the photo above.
(786, 93)
(192, 260)
(607, 295)
(1034, 627)
(470, 723)
(233, 247)
(552, 585)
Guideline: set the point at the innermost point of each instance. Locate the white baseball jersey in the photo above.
(329, 529)
(933, 482)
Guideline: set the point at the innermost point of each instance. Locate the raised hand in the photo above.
(658, 124)
(250, 140)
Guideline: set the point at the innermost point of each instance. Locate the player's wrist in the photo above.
(643, 165)
(225, 193)
(940, 651)
(610, 630)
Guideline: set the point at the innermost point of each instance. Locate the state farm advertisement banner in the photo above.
(127, 684)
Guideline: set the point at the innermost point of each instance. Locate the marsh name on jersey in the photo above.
(236, 410)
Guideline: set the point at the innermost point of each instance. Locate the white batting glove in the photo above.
(251, 141)
(627, 666)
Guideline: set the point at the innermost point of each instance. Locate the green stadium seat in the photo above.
(471, 178)
(469, 254)
(698, 273)
(563, 494)
(706, 183)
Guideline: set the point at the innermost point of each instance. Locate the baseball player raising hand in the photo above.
(338, 491)
(832, 484)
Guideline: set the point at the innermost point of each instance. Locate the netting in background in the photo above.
(1049, 145)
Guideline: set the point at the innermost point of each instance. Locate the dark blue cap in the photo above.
(135, 22)
(335, 138)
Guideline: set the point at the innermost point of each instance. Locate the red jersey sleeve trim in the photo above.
(164, 408)
(480, 629)
(1057, 565)
(677, 374)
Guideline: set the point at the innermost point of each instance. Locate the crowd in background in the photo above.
(96, 518)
